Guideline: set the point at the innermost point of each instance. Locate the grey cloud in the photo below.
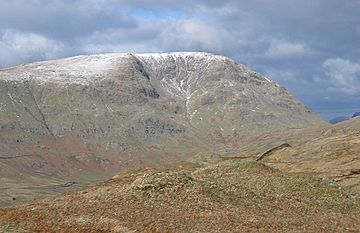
(62, 19)
(18, 47)
(284, 49)
(282, 75)
(169, 35)
(342, 76)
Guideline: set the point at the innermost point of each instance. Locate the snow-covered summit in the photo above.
(84, 69)
(77, 69)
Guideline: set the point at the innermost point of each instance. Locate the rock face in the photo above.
(71, 117)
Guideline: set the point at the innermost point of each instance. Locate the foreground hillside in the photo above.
(310, 184)
(72, 122)
(230, 196)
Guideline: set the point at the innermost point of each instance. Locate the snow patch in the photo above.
(267, 79)
(188, 79)
(79, 69)
(181, 55)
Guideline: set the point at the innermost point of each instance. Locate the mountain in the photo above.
(198, 143)
(343, 118)
(339, 119)
(72, 122)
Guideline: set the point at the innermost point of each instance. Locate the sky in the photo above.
(311, 47)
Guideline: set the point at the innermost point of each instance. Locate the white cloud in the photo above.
(226, 10)
(193, 34)
(285, 49)
(343, 76)
(94, 48)
(160, 36)
(136, 40)
(17, 47)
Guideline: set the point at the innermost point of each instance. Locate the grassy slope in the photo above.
(229, 196)
(334, 153)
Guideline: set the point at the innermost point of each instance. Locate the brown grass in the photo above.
(230, 196)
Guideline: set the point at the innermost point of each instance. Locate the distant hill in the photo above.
(343, 118)
(339, 119)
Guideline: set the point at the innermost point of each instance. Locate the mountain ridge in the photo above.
(88, 117)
